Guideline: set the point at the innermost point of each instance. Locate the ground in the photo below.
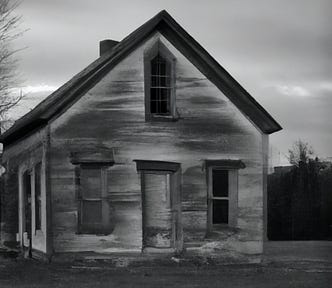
(287, 264)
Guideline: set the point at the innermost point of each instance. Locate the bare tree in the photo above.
(300, 152)
(9, 31)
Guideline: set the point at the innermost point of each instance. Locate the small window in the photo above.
(220, 200)
(38, 213)
(222, 194)
(93, 203)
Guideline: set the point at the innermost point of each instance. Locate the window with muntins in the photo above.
(222, 192)
(220, 196)
(159, 83)
(93, 203)
(160, 86)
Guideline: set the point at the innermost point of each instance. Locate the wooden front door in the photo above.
(161, 210)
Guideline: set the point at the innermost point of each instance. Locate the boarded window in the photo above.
(93, 204)
(91, 212)
(38, 213)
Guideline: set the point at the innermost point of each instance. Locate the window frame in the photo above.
(216, 198)
(232, 166)
(27, 171)
(160, 83)
(87, 228)
(159, 48)
(172, 172)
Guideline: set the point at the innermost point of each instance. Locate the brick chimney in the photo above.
(106, 45)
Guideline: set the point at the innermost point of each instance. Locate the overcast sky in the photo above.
(279, 50)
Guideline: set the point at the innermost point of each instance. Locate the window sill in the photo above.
(221, 231)
(93, 233)
(161, 118)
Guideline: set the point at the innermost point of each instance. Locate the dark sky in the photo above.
(279, 50)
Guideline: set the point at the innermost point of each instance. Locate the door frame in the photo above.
(23, 233)
(174, 171)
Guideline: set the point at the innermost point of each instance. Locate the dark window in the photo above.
(93, 214)
(38, 196)
(220, 183)
(160, 88)
(220, 201)
(91, 196)
(220, 211)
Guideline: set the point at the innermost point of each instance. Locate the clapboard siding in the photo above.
(111, 116)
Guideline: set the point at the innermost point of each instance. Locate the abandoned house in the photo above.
(153, 147)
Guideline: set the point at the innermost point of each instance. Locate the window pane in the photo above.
(153, 69)
(162, 68)
(91, 182)
(158, 65)
(220, 211)
(163, 107)
(164, 94)
(220, 183)
(160, 81)
(153, 106)
(154, 94)
(154, 81)
(160, 100)
(167, 81)
(91, 212)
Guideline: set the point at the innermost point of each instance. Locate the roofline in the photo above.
(228, 83)
(167, 26)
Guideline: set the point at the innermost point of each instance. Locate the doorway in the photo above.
(161, 205)
(27, 214)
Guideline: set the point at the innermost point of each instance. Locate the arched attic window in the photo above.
(159, 86)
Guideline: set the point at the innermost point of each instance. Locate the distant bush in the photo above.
(300, 202)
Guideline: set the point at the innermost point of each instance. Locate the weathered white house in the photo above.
(153, 147)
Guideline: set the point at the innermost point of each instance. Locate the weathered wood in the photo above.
(17, 159)
(209, 127)
(109, 123)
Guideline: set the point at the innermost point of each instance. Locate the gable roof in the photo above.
(67, 94)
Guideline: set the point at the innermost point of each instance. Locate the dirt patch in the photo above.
(30, 273)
